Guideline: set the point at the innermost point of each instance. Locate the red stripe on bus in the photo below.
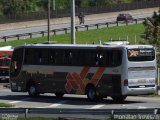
(70, 83)
(68, 87)
(84, 72)
(75, 80)
(79, 81)
(96, 77)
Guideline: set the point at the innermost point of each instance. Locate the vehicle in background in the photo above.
(5, 60)
(124, 17)
(97, 71)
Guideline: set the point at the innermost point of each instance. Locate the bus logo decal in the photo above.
(133, 53)
(78, 82)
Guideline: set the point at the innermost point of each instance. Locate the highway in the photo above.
(22, 100)
(90, 19)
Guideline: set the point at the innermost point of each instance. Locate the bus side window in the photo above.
(59, 57)
(45, 57)
(26, 57)
(88, 57)
(99, 58)
(52, 55)
(116, 58)
(29, 56)
(80, 57)
(68, 57)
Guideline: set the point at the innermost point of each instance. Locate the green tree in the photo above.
(32, 5)
(63, 4)
(1, 8)
(152, 32)
(13, 6)
(19, 6)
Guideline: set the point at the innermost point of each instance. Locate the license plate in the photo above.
(141, 81)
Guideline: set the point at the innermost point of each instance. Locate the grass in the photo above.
(88, 37)
(6, 105)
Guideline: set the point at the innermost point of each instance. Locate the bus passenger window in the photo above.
(67, 57)
(70, 57)
(116, 58)
(52, 57)
(99, 59)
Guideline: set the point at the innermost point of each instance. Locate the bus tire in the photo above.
(59, 95)
(32, 90)
(91, 93)
(119, 99)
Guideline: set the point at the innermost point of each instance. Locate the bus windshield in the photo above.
(141, 54)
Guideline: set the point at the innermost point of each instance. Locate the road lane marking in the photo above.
(142, 107)
(96, 106)
(18, 101)
(56, 104)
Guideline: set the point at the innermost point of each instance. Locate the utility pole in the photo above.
(49, 20)
(73, 23)
(54, 5)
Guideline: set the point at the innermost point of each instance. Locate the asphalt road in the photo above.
(94, 19)
(22, 100)
(58, 26)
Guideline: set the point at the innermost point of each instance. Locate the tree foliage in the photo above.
(18, 6)
(152, 32)
(21, 6)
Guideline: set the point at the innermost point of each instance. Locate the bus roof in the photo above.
(116, 43)
(82, 46)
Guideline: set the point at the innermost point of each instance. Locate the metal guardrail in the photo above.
(55, 31)
(151, 113)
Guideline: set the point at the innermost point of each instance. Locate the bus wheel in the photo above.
(32, 90)
(59, 95)
(118, 98)
(91, 93)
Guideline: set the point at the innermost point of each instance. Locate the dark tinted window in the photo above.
(141, 54)
(73, 57)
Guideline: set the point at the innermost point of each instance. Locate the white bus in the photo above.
(97, 71)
